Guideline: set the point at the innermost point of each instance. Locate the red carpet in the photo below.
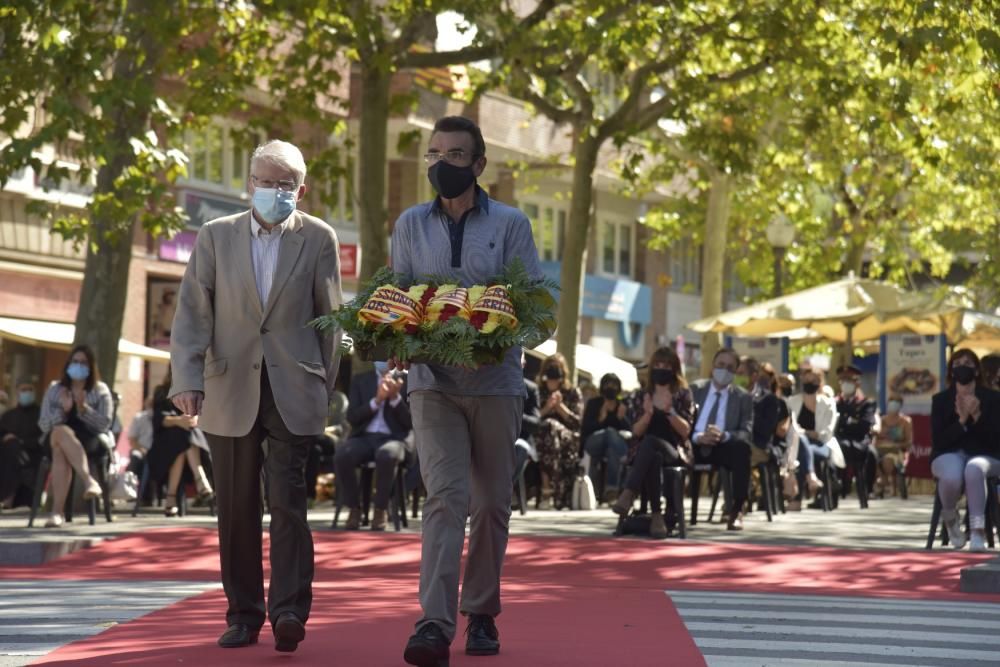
(568, 601)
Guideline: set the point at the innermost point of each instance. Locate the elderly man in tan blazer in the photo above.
(247, 363)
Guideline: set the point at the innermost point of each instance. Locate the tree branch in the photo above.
(557, 114)
(740, 74)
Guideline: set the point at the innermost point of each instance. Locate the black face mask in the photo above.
(610, 393)
(963, 374)
(553, 373)
(663, 376)
(810, 388)
(450, 181)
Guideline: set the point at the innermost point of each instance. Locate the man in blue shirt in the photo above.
(465, 421)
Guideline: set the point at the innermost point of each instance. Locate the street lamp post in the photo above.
(780, 234)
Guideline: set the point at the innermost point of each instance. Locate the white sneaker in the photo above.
(54, 521)
(956, 532)
(977, 541)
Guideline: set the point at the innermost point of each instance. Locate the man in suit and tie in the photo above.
(723, 430)
(245, 360)
(380, 423)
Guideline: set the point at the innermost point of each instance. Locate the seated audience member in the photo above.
(524, 446)
(75, 415)
(20, 447)
(815, 415)
(895, 437)
(775, 439)
(965, 432)
(174, 444)
(325, 446)
(140, 436)
(558, 437)
(990, 365)
(380, 422)
(856, 423)
(662, 429)
(798, 456)
(723, 428)
(604, 423)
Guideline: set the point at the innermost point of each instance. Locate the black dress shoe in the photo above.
(238, 635)
(428, 648)
(289, 630)
(482, 637)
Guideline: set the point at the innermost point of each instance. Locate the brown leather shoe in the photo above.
(735, 521)
(353, 520)
(624, 503)
(380, 520)
(657, 527)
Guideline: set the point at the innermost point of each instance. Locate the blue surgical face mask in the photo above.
(26, 398)
(273, 205)
(723, 376)
(78, 371)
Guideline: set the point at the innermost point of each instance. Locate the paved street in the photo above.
(751, 624)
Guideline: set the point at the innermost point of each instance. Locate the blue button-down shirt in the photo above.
(427, 242)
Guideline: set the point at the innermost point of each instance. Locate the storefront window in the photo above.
(608, 247)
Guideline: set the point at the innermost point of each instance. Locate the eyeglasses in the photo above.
(283, 185)
(454, 156)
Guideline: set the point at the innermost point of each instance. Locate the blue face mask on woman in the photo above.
(77, 371)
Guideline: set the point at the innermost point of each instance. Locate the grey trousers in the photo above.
(465, 445)
(955, 468)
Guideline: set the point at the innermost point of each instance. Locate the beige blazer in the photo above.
(222, 334)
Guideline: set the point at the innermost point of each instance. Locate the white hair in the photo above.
(281, 154)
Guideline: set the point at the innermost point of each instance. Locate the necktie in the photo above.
(712, 414)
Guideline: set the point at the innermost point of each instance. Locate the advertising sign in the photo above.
(349, 260)
(912, 367)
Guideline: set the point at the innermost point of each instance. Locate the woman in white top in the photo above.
(816, 416)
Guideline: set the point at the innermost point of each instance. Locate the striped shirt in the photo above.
(427, 242)
(264, 246)
(97, 418)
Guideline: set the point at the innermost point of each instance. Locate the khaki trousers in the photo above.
(465, 445)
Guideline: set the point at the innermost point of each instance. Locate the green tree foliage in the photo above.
(377, 39)
(878, 141)
(109, 85)
(662, 57)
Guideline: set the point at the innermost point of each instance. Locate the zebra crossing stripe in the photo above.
(749, 629)
(39, 616)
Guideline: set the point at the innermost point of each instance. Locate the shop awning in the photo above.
(59, 335)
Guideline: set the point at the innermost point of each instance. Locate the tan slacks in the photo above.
(465, 445)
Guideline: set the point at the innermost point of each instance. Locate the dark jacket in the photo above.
(855, 422)
(974, 438)
(22, 422)
(360, 413)
(739, 411)
(590, 424)
(532, 411)
(767, 412)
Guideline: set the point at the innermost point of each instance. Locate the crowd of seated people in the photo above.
(744, 415)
